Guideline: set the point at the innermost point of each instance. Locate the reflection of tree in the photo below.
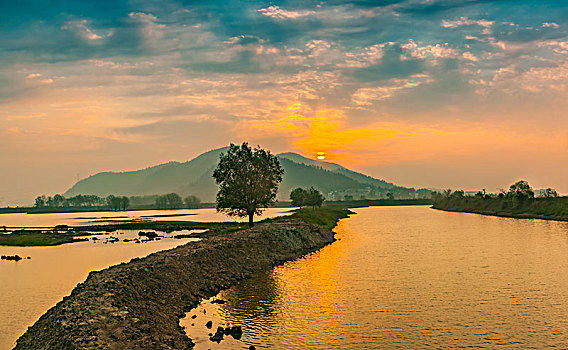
(253, 299)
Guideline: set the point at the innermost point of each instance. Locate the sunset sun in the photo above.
(320, 156)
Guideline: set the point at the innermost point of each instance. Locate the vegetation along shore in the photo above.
(518, 202)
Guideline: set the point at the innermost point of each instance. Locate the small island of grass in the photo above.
(31, 238)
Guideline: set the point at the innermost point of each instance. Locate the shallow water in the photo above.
(101, 217)
(28, 288)
(408, 278)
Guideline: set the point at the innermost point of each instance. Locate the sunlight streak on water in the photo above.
(412, 277)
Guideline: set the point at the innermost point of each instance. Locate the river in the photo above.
(408, 278)
(28, 288)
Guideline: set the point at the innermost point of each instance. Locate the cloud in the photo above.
(512, 80)
(465, 21)
(430, 51)
(149, 28)
(370, 95)
(80, 29)
(371, 76)
(470, 57)
(279, 13)
(550, 25)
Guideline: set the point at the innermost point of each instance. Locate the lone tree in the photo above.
(248, 181)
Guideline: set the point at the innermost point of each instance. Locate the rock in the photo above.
(209, 324)
(252, 347)
(218, 336)
(236, 332)
(11, 257)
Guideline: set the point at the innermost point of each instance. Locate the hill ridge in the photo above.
(195, 177)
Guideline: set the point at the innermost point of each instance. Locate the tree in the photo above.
(124, 202)
(550, 193)
(174, 201)
(192, 202)
(248, 181)
(314, 198)
(161, 202)
(520, 190)
(40, 201)
(298, 197)
(390, 196)
(114, 202)
(59, 201)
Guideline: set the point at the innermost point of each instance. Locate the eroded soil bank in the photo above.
(137, 305)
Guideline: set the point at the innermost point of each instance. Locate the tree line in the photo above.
(174, 201)
(519, 199)
(82, 201)
(113, 202)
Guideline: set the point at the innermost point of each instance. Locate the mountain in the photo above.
(195, 177)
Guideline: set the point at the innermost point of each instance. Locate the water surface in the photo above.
(101, 217)
(28, 288)
(408, 278)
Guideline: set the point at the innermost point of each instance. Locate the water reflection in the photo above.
(412, 278)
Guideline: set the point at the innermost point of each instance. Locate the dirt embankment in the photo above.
(137, 305)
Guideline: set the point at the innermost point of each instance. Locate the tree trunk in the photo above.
(251, 216)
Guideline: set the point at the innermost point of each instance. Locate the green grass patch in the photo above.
(25, 239)
(326, 216)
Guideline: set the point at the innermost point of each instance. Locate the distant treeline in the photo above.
(519, 201)
(81, 201)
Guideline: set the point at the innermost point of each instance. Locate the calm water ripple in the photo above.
(409, 277)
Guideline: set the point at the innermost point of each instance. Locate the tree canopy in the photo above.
(248, 181)
(192, 202)
(298, 197)
(169, 201)
(310, 197)
(314, 198)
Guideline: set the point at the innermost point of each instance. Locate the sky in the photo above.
(462, 94)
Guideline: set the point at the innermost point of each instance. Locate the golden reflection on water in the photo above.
(412, 277)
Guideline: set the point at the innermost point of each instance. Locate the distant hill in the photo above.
(195, 177)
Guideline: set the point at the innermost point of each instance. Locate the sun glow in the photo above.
(320, 155)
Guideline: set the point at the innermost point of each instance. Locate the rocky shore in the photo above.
(137, 305)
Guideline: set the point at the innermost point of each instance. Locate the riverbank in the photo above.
(137, 305)
(534, 208)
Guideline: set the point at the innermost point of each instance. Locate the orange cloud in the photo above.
(327, 132)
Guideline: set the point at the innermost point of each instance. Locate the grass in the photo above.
(326, 216)
(31, 239)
